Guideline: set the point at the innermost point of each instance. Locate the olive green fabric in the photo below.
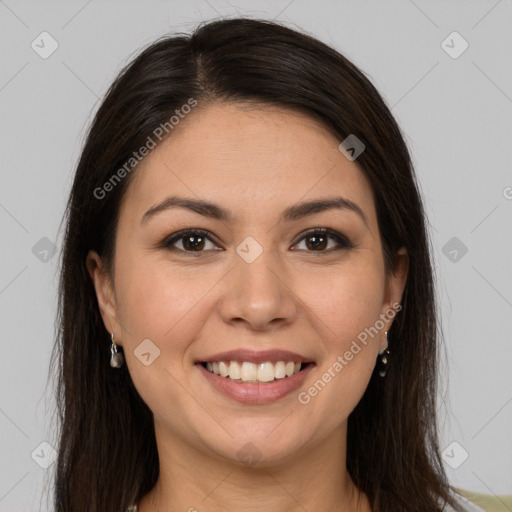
(489, 502)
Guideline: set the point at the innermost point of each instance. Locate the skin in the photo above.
(254, 162)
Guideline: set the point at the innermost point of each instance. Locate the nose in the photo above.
(259, 295)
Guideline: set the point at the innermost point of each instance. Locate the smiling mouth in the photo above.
(251, 373)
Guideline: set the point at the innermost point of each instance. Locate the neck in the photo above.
(315, 479)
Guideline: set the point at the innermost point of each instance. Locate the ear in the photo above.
(105, 294)
(395, 285)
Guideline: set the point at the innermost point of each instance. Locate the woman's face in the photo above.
(259, 291)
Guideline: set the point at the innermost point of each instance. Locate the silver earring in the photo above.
(116, 358)
(383, 358)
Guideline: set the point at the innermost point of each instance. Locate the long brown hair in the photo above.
(107, 457)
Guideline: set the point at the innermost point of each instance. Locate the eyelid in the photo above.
(342, 240)
(168, 242)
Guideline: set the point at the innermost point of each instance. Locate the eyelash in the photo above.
(342, 241)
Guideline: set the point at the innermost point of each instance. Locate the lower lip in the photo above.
(257, 393)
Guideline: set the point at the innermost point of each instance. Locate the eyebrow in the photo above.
(292, 213)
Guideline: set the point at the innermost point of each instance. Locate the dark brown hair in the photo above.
(107, 451)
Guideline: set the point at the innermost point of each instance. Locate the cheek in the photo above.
(345, 300)
(158, 302)
(346, 305)
(168, 308)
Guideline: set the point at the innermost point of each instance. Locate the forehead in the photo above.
(248, 157)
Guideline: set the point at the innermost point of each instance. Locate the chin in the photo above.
(258, 449)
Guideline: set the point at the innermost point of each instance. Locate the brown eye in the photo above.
(190, 241)
(193, 242)
(323, 240)
(316, 242)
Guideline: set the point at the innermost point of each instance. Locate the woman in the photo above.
(247, 316)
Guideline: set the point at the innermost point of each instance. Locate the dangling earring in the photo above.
(116, 358)
(383, 358)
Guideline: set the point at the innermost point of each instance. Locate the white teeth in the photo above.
(248, 371)
(266, 372)
(251, 372)
(223, 369)
(280, 370)
(234, 370)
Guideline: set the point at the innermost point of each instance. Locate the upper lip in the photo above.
(256, 357)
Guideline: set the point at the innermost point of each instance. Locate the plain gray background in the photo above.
(456, 114)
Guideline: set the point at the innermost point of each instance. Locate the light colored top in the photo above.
(467, 506)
